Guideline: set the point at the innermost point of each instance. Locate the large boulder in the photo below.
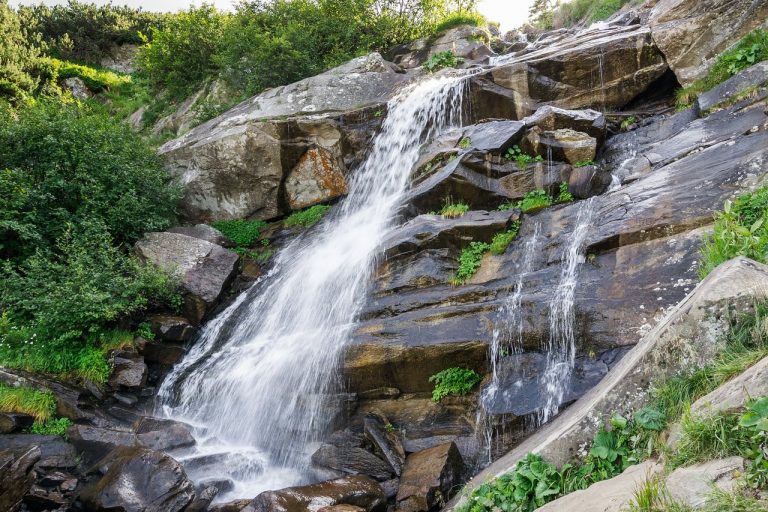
(139, 480)
(692, 33)
(358, 491)
(466, 42)
(94, 443)
(429, 477)
(16, 475)
(603, 68)
(235, 165)
(205, 269)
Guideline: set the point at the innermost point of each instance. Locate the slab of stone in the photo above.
(692, 485)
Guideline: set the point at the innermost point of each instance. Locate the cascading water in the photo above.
(258, 382)
(561, 346)
(507, 334)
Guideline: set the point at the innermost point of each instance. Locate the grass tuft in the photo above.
(40, 404)
(308, 217)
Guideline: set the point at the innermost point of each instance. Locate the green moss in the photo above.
(308, 217)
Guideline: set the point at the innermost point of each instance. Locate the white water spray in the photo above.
(261, 377)
(561, 346)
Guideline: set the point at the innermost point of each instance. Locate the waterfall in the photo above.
(507, 334)
(561, 345)
(260, 381)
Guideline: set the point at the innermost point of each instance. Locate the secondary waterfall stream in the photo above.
(259, 383)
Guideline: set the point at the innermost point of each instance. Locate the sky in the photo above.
(510, 13)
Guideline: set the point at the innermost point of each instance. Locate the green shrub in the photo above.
(51, 427)
(17, 55)
(522, 159)
(563, 196)
(469, 262)
(308, 217)
(144, 330)
(244, 233)
(502, 240)
(750, 50)
(40, 404)
(438, 61)
(453, 381)
(534, 200)
(97, 80)
(64, 164)
(456, 19)
(741, 229)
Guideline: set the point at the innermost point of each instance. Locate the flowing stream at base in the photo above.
(259, 383)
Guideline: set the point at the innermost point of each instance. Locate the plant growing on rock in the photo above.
(502, 240)
(451, 210)
(438, 61)
(584, 163)
(626, 123)
(244, 233)
(465, 142)
(40, 404)
(469, 262)
(51, 427)
(563, 195)
(453, 381)
(522, 159)
(534, 200)
(308, 217)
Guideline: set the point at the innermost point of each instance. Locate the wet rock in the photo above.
(234, 166)
(341, 508)
(494, 136)
(128, 370)
(568, 145)
(753, 77)
(316, 178)
(95, 442)
(691, 33)
(13, 422)
(55, 453)
(586, 181)
(358, 491)
(390, 488)
(549, 118)
(204, 232)
(429, 477)
(373, 394)
(232, 506)
(157, 483)
(352, 461)
(612, 495)
(606, 68)
(205, 268)
(171, 328)
(69, 399)
(163, 434)
(16, 475)
(693, 485)
(203, 499)
(380, 432)
(163, 353)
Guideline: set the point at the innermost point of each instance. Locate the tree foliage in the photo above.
(16, 56)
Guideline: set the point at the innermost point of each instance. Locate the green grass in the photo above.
(451, 210)
(51, 427)
(40, 404)
(714, 437)
(741, 229)
(453, 381)
(584, 163)
(308, 217)
(465, 142)
(469, 262)
(570, 13)
(750, 50)
(534, 200)
(456, 19)
(96, 79)
(502, 240)
(244, 233)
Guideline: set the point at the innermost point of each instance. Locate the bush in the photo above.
(456, 19)
(308, 217)
(469, 262)
(181, 54)
(741, 229)
(68, 165)
(16, 57)
(438, 61)
(243, 232)
(453, 381)
(87, 32)
(750, 50)
(57, 427)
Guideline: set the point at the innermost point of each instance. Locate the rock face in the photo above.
(606, 68)
(466, 42)
(235, 165)
(204, 232)
(16, 476)
(358, 491)
(691, 33)
(140, 480)
(205, 268)
(13, 422)
(736, 393)
(612, 495)
(429, 477)
(316, 178)
(692, 485)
